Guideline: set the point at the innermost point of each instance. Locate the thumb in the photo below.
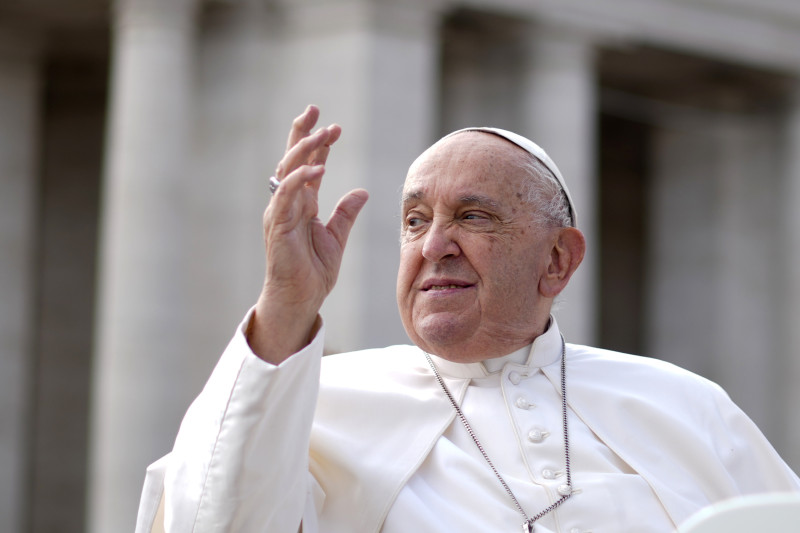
(345, 213)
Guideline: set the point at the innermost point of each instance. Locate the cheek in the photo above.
(515, 273)
(407, 271)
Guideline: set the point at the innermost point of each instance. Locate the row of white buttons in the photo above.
(534, 435)
(537, 436)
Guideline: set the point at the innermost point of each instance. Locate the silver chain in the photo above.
(529, 522)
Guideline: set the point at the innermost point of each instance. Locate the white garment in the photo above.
(386, 455)
(516, 412)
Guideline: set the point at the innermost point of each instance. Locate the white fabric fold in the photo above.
(335, 443)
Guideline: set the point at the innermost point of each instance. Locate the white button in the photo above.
(522, 403)
(575, 530)
(514, 377)
(564, 489)
(548, 474)
(537, 435)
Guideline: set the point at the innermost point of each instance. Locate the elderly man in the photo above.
(491, 422)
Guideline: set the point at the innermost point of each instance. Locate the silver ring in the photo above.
(273, 184)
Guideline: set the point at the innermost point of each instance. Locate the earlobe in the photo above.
(566, 254)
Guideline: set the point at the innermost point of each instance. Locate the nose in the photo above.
(439, 242)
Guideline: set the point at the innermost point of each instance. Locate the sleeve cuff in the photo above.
(314, 343)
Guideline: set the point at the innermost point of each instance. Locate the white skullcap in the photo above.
(535, 150)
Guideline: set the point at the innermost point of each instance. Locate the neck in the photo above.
(471, 351)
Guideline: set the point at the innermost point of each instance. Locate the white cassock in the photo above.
(373, 445)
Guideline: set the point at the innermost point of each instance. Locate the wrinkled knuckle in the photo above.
(307, 141)
(344, 213)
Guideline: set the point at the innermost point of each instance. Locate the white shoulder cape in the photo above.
(380, 412)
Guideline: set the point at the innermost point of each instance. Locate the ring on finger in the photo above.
(273, 184)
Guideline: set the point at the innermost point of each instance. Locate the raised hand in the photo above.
(303, 254)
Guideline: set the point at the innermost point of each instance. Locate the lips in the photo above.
(444, 284)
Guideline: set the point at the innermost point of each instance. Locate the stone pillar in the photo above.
(482, 58)
(19, 132)
(559, 109)
(682, 256)
(746, 360)
(713, 275)
(229, 167)
(371, 66)
(142, 353)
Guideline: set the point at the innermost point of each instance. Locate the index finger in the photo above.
(302, 125)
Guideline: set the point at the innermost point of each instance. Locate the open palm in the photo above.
(303, 254)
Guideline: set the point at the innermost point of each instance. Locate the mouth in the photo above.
(442, 285)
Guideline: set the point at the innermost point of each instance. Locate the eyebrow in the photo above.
(411, 195)
(480, 201)
(470, 199)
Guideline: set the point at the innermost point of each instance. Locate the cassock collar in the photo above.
(545, 350)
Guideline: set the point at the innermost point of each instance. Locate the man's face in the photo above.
(471, 252)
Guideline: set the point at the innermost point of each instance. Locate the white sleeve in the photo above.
(240, 461)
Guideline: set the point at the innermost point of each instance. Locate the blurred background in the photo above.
(136, 138)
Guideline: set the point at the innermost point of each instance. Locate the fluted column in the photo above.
(559, 112)
(141, 352)
(19, 124)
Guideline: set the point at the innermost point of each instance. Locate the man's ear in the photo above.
(569, 247)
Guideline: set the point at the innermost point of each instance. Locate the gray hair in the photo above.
(545, 194)
(546, 190)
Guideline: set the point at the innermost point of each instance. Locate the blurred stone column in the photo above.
(559, 112)
(372, 67)
(141, 351)
(682, 232)
(745, 356)
(229, 169)
(19, 136)
(715, 260)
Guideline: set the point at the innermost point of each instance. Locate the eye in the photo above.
(475, 215)
(414, 220)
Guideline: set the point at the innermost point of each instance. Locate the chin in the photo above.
(444, 338)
